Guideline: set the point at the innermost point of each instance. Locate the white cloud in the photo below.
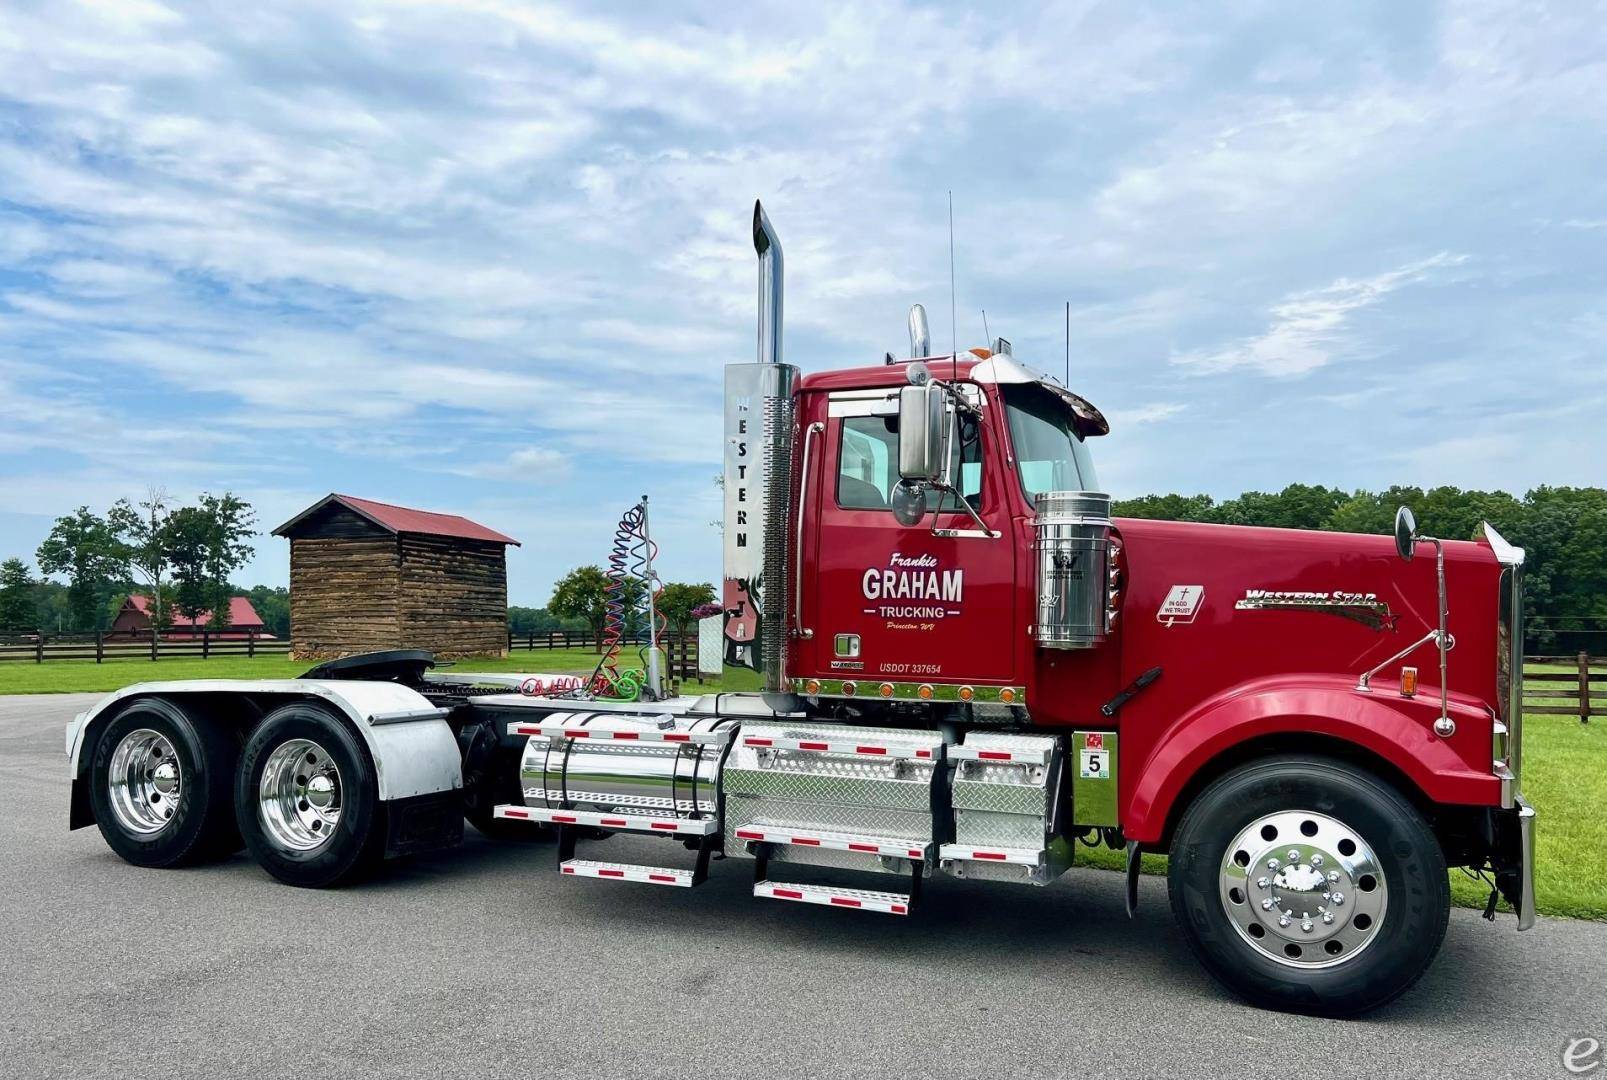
(1152, 413)
(1308, 329)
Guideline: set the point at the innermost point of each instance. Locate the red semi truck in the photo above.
(968, 666)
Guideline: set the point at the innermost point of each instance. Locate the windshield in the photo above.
(1049, 452)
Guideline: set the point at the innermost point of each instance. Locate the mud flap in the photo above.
(1132, 878)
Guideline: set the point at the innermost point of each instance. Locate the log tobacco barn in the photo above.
(367, 575)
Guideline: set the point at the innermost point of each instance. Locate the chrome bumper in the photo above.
(1526, 899)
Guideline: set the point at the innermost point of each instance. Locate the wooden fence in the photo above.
(1568, 686)
(102, 646)
(680, 648)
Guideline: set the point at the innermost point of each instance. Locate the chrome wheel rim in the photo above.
(145, 782)
(1304, 889)
(299, 796)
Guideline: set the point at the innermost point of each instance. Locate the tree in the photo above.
(678, 600)
(583, 594)
(205, 544)
(85, 549)
(273, 604)
(18, 611)
(1166, 507)
(142, 531)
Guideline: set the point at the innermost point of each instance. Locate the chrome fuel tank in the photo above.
(628, 763)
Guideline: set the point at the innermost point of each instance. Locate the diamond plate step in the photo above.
(609, 871)
(838, 841)
(889, 903)
(1019, 856)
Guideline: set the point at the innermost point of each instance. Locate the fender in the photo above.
(1397, 730)
(414, 749)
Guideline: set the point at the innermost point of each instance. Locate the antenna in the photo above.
(1068, 345)
(954, 336)
(986, 334)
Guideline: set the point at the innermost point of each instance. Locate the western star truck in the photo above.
(968, 667)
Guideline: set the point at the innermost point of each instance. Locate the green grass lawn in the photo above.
(1564, 770)
(72, 676)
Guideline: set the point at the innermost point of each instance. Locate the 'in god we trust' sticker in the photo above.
(1182, 603)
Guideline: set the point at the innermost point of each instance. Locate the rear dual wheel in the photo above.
(1307, 884)
(160, 786)
(307, 799)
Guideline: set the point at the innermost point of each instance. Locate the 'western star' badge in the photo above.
(1363, 607)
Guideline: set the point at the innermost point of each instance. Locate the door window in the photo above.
(867, 464)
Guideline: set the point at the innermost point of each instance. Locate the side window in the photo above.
(867, 464)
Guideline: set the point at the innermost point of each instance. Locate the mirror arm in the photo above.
(969, 509)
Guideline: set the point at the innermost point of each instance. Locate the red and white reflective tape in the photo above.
(559, 729)
(1019, 856)
(844, 746)
(857, 899)
(648, 875)
(638, 822)
(870, 845)
(1000, 754)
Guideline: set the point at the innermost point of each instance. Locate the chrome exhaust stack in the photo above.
(758, 481)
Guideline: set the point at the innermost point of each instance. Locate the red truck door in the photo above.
(890, 603)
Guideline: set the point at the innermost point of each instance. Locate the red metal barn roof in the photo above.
(241, 613)
(402, 519)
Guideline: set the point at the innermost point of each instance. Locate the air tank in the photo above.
(1072, 545)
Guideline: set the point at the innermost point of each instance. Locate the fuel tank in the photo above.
(634, 769)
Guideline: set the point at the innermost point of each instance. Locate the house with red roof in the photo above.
(134, 620)
(367, 575)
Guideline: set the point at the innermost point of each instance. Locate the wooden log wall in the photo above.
(344, 595)
(454, 596)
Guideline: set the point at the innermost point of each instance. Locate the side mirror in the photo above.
(1405, 533)
(920, 433)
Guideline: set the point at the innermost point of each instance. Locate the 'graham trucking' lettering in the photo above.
(913, 577)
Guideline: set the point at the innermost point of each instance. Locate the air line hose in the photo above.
(628, 559)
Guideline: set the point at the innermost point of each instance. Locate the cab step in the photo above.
(889, 903)
(1017, 856)
(610, 871)
(764, 833)
(668, 826)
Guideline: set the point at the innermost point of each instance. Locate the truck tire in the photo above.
(307, 799)
(1306, 884)
(159, 786)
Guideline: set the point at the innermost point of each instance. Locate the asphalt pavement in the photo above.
(484, 962)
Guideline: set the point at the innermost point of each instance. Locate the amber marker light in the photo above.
(924, 692)
(812, 686)
(966, 693)
(1007, 695)
(849, 689)
(1408, 682)
(886, 689)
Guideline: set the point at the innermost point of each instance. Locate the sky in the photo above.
(490, 257)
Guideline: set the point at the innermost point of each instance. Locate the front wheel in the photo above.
(307, 799)
(1307, 884)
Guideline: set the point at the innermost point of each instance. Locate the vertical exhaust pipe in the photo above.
(920, 336)
(758, 483)
(770, 286)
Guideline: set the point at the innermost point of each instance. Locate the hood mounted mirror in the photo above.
(1405, 533)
